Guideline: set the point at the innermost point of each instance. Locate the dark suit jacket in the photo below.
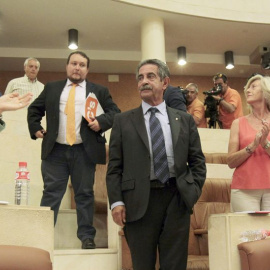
(174, 98)
(128, 175)
(48, 102)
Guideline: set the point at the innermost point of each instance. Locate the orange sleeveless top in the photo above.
(254, 173)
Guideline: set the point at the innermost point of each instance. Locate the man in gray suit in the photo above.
(77, 157)
(154, 212)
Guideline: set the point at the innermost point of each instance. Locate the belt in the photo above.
(65, 146)
(157, 184)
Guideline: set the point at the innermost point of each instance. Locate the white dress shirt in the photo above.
(80, 96)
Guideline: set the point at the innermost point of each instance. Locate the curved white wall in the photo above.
(233, 10)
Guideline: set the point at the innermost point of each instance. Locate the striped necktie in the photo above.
(160, 161)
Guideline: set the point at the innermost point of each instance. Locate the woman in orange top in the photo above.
(249, 150)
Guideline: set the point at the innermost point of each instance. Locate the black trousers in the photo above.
(62, 162)
(164, 227)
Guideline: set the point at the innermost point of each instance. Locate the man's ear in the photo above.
(166, 83)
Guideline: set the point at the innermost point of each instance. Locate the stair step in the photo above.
(65, 235)
(83, 259)
(61, 252)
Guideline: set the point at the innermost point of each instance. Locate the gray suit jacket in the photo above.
(128, 175)
(48, 102)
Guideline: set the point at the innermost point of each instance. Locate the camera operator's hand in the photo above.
(230, 108)
(217, 98)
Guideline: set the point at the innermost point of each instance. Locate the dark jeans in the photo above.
(62, 162)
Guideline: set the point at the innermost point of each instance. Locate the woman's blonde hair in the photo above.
(265, 86)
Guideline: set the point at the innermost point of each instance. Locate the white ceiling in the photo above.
(110, 31)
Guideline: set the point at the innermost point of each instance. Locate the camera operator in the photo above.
(194, 106)
(230, 104)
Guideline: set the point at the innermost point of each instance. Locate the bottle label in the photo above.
(22, 175)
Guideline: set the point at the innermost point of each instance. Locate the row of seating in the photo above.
(215, 199)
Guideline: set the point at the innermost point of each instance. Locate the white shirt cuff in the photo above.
(116, 204)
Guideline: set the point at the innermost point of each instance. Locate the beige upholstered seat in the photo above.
(215, 199)
(255, 255)
(24, 258)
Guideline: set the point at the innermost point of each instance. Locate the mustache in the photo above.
(146, 87)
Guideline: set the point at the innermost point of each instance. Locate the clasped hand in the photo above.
(261, 136)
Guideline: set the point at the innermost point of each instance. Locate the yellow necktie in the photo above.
(70, 112)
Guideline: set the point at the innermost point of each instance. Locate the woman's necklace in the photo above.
(261, 119)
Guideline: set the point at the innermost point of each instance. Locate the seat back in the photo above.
(215, 199)
(255, 255)
(24, 258)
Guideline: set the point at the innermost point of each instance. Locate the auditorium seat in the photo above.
(255, 255)
(24, 258)
(215, 199)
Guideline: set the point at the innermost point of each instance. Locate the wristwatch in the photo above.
(267, 145)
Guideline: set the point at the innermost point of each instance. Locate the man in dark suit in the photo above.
(72, 149)
(174, 98)
(155, 213)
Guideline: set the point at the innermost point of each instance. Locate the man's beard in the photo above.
(75, 80)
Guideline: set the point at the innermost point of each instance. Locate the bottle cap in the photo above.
(23, 164)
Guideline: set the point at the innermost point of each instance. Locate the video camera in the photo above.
(211, 111)
(214, 91)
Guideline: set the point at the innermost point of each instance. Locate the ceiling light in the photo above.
(73, 39)
(229, 59)
(181, 52)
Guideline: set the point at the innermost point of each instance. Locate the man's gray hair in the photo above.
(29, 59)
(194, 85)
(163, 70)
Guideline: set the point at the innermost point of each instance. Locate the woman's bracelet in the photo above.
(267, 145)
(248, 150)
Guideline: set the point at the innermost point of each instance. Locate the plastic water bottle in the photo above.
(253, 235)
(22, 182)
